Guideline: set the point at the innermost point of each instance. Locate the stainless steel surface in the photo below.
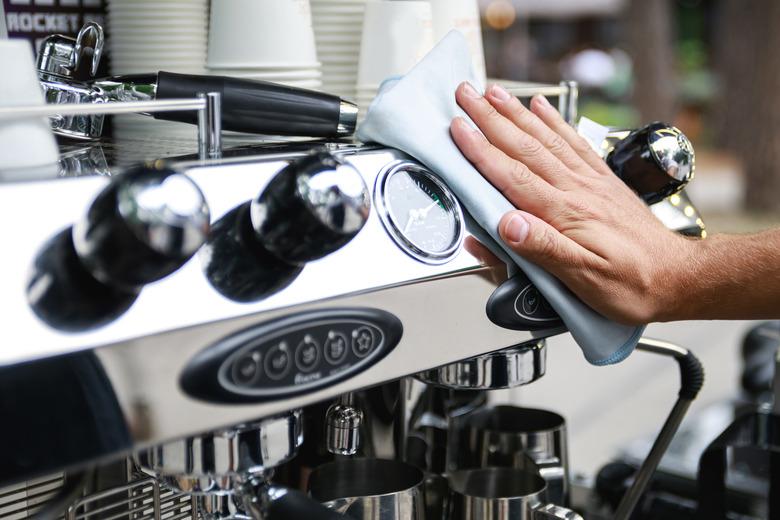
(62, 56)
(678, 213)
(501, 494)
(59, 67)
(370, 489)
(93, 34)
(348, 114)
(343, 422)
(400, 230)
(186, 299)
(569, 101)
(508, 368)
(525, 438)
(213, 127)
(214, 463)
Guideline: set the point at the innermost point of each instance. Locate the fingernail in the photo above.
(543, 101)
(464, 125)
(516, 229)
(470, 91)
(498, 92)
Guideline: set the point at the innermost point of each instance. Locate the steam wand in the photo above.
(691, 381)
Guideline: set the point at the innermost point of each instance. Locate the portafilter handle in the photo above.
(553, 512)
(655, 161)
(268, 502)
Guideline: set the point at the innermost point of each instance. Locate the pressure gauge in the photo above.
(419, 212)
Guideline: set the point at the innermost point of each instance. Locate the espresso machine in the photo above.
(269, 328)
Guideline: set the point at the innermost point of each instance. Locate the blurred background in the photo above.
(707, 66)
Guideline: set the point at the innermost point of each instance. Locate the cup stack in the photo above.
(150, 36)
(461, 15)
(267, 40)
(153, 35)
(338, 26)
(396, 35)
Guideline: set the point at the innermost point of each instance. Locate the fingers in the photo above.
(513, 141)
(518, 184)
(542, 244)
(513, 110)
(549, 116)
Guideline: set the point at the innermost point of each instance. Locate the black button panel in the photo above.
(291, 355)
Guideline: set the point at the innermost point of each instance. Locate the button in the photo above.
(335, 347)
(246, 370)
(277, 361)
(362, 341)
(307, 354)
(531, 300)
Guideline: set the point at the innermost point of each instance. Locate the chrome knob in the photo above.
(142, 227)
(311, 208)
(655, 161)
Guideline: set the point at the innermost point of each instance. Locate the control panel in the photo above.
(291, 355)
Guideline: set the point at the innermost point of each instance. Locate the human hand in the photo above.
(578, 220)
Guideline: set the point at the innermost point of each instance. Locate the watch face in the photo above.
(419, 212)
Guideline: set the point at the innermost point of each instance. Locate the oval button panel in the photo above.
(291, 355)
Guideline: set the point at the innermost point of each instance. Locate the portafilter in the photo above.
(237, 462)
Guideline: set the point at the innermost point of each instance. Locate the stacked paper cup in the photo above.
(269, 40)
(462, 15)
(338, 26)
(396, 35)
(153, 35)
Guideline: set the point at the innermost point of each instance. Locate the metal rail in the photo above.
(208, 106)
(567, 93)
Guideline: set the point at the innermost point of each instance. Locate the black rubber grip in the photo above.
(256, 107)
(294, 505)
(691, 376)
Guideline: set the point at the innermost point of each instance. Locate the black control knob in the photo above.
(655, 161)
(142, 227)
(310, 209)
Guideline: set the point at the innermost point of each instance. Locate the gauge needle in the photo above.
(412, 219)
(424, 212)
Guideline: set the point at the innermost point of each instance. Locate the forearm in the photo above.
(727, 277)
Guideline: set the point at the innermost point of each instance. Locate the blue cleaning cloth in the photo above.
(413, 114)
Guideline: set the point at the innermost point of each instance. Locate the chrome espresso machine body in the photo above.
(233, 332)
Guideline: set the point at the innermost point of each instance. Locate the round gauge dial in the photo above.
(419, 212)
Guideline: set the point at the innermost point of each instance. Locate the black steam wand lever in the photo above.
(256, 107)
(691, 381)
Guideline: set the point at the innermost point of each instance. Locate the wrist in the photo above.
(680, 281)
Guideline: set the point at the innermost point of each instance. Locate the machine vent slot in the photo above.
(142, 498)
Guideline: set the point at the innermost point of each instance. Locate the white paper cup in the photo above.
(461, 15)
(270, 76)
(24, 143)
(396, 35)
(249, 33)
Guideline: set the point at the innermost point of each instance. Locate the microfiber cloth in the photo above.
(413, 114)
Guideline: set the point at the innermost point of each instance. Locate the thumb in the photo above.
(538, 241)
